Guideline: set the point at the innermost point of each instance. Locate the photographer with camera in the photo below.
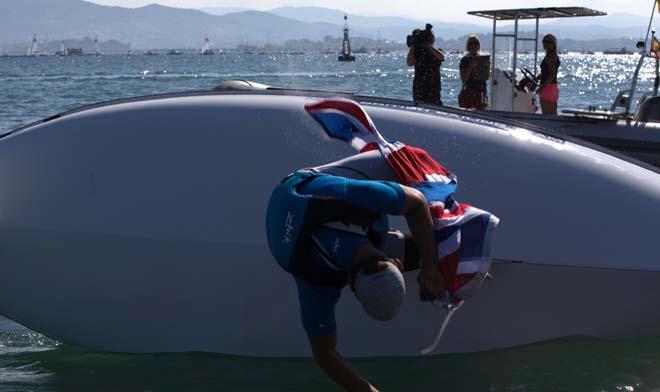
(427, 61)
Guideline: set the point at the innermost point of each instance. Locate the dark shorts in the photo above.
(470, 99)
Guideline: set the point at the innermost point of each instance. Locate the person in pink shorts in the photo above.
(549, 88)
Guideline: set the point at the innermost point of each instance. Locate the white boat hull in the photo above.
(638, 140)
(139, 227)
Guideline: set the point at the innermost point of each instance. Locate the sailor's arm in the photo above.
(438, 54)
(410, 60)
(317, 305)
(420, 223)
(328, 359)
(466, 71)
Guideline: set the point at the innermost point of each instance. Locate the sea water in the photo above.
(32, 88)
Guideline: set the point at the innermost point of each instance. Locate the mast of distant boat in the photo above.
(378, 50)
(63, 50)
(97, 48)
(33, 46)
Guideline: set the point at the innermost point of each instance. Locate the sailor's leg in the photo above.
(546, 107)
(401, 246)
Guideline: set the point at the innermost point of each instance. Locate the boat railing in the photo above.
(617, 110)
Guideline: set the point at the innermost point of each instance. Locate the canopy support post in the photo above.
(515, 63)
(536, 48)
(492, 65)
(648, 30)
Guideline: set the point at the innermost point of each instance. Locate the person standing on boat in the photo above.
(329, 231)
(427, 61)
(473, 95)
(549, 88)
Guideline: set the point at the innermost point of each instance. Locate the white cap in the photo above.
(381, 293)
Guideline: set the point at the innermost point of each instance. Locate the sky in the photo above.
(421, 9)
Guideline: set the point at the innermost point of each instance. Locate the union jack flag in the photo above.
(462, 232)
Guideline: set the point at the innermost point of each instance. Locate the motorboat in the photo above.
(623, 50)
(137, 225)
(513, 96)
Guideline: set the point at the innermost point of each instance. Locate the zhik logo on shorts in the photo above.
(288, 228)
(335, 248)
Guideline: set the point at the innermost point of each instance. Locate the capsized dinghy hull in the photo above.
(139, 227)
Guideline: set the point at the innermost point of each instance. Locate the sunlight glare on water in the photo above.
(586, 80)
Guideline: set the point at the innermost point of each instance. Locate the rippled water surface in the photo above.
(34, 88)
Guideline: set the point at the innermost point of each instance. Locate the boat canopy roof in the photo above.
(537, 13)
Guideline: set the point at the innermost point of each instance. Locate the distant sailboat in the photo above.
(63, 51)
(34, 46)
(97, 48)
(206, 47)
(130, 52)
(33, 50)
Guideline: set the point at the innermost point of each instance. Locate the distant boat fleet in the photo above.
(346, 54)
(618, 51)
(33, 50)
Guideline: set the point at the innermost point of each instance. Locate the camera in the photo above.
(420, 37)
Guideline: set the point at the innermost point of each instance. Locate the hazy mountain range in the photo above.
(157, 26)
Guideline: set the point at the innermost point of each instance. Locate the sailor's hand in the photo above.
(431, 284)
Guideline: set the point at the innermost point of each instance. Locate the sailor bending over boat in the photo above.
(329, 231)
(327, 226)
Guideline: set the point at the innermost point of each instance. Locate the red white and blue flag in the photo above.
(463, 232)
